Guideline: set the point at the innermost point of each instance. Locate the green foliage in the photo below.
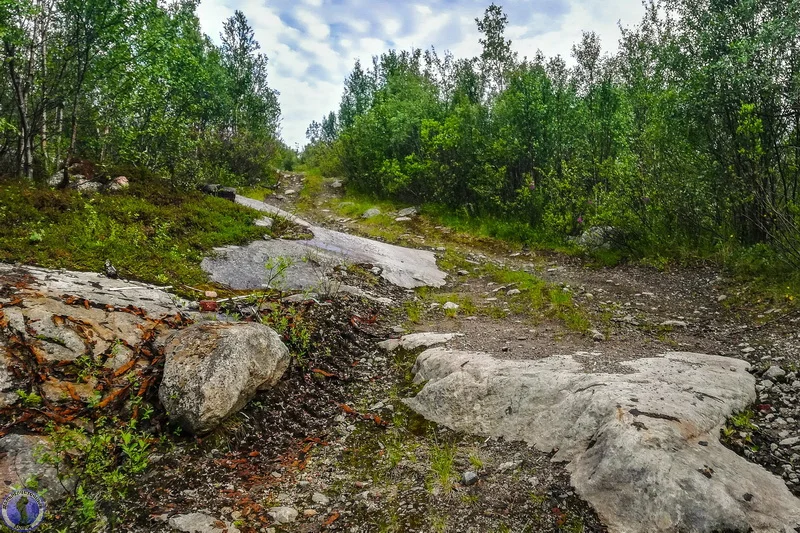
(150, 232)
(275, 271)
(30, 399)
(685, 139)
(135, 82)
(102, 464)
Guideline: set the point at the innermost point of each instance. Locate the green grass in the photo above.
(256, 193)
(312, 189)
(537, 296)
(149, 232)
(442, 459)
(513, 231)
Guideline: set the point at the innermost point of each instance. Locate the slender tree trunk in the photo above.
(25, 161)
(59, 130)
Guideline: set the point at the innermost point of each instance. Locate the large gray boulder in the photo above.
(598, 238)
(642, 447)
(213, 369)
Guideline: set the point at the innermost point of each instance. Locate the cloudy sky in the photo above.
(312, 44)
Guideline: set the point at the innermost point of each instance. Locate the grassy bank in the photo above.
(150, 232)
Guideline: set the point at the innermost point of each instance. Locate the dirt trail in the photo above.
(335, 445)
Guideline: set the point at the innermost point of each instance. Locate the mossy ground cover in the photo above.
(149, 232)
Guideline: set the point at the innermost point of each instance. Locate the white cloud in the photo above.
(313, 24)
(308, 62)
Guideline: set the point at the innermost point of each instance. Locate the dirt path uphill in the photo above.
(339, 445)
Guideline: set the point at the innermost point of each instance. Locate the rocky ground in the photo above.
(333, 447)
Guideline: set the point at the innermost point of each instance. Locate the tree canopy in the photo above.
(689, 135)
(133, 82)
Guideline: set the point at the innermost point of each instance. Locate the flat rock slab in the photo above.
(242, 268)
(643, 447)
(62, 316)
(89, 285)
(414, 341)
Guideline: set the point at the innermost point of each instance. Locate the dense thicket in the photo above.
(689, 135)
(132, 82)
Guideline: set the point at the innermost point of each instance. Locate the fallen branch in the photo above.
(166, 288)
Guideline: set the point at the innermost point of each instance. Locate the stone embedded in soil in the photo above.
(265, 222)
(213, 369)
(320, 498)
(632, 440)
(791, 441)
(775, 373)
(200, 523)
(674, 323)
(469, 478)
(371, 213)
(283, 515)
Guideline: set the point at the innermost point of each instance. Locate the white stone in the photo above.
(264, 222)
(283, 515)
(320, 498)
(199, 523)
(774, 373)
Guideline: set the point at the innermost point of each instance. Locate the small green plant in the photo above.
(743, 421)
(475, 461)
(469, 499)
(289, 324)
(276, 268)
(87, 367)
(30, 399)
(414, 310)
(438, 524)
(102, 463)
(442, 461)
(36, 236)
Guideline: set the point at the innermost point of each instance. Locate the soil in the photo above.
(336, 424)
